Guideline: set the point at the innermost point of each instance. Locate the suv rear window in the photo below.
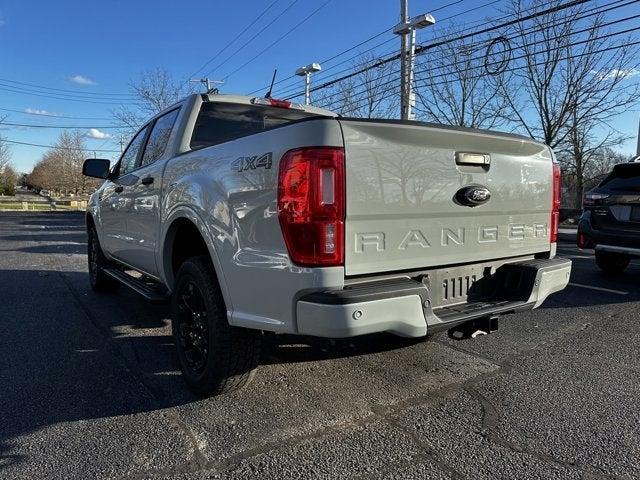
(221, 122)
(625, 177)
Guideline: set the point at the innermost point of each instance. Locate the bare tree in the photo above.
(365, 95)
(153, 90)
(567, 72)
(587, 154)
(8, 176)
(5, 151)
(60, 169)
(570, 76)
(454, 86)
(8, 180)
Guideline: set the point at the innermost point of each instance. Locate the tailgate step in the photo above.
(469, 311)
(151, 294)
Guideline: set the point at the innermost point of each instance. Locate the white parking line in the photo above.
(608, 290)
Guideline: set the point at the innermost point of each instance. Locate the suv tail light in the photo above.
(555, 205)
(311, 205)
(590, 199)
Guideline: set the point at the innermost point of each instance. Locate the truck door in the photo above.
(143, 197)
(113, 201)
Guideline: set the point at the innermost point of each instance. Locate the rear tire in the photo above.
(214, 357)
(612, 263)
(100, 282)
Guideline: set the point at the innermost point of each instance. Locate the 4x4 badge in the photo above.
(242, 164)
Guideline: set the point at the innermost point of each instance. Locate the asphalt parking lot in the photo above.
(89, 386)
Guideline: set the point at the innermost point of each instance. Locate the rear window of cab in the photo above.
(222, 122)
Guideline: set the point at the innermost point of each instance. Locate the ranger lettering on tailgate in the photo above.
(376, 241)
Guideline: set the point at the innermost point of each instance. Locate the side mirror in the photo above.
(96, 167)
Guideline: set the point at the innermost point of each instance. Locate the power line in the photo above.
(571, 57)
(586, 14)
(289, 88)
(252, 38)
(255, 20)
(54, 147)
(44, 87)
(63, 95)
(23, 92)
(280, 38)
(423, 48)
(53, 115)
(424, 82)
(31, 125)
(561, 47)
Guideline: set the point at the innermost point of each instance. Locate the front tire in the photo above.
(214, 357)
(100, 282)
(612, 263)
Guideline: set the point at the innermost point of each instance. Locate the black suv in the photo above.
(610, 220)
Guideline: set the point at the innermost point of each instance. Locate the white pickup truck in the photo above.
(255, 214)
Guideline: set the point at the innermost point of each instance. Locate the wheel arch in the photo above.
(183, 230)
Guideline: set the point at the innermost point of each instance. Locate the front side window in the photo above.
(159, 137)
(221, 122)
(128, 159)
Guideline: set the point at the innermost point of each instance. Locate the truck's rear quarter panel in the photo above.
(401, 182)
(239, 210)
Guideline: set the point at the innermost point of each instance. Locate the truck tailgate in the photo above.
(406, 209)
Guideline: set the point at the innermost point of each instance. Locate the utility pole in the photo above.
(406, 29)
(209, 84)
(306, 73)
(121, 142)
(405, 86)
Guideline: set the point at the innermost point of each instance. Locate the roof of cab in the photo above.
(246, 100)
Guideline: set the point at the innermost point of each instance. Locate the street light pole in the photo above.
(407, 31)
(306, 73)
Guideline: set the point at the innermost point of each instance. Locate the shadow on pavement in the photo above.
(70, 355)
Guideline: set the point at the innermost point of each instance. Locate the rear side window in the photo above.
(159, 137)
(221, 122)
(624, 178)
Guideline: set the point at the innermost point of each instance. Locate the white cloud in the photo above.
(97, 134)
(618, 73)
(37, 111)
(82, 80)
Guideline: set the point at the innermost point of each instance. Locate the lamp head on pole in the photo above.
(415, 23)
(311, 68)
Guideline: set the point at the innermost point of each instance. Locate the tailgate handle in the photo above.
(466, 158)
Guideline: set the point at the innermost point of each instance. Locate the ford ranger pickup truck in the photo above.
(258, 215)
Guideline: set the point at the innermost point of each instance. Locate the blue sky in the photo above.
(87, 48)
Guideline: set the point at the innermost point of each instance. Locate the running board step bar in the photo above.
(147, 291)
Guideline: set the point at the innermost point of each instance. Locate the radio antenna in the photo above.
(273, 79)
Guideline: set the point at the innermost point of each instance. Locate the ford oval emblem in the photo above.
(473, 195)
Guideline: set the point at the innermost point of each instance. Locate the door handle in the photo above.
(118, 189)
(146, 181)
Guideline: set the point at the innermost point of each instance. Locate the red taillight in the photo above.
(311, 205)
(555, 205)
